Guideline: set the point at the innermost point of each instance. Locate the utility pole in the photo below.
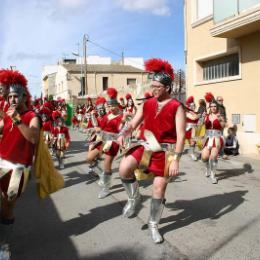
(85, 40)
(123, 59)
(180, 83)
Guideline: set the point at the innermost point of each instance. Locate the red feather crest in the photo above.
(48, 105)
(112, 93)
(46, 111)
(190, 100)
(100, 101)
(159, 65)
(147, 95)
(55, 115)
(128, 96)
(209, 97)
(12, 77)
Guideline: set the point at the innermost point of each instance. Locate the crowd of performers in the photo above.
(149, 140)
(55, 132)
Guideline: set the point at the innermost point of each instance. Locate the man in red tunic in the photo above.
(61, 137)
(192, 119)
(3, 92)
(20, 129)
(110, 125)
(164, 128)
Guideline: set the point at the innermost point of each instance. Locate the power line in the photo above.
(111, 51)
(106, 49)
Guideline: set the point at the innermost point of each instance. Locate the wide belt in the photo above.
(213, 133)
(152, 145)
(190, 125)
(107, 136)
(61, 136)
(17, 171)
(46, 133)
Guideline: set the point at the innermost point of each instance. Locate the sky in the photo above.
(35, 33)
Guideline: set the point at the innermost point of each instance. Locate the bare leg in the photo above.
(213, 164)
(91, 159)
(205, 154)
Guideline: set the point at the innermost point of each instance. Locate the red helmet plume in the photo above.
(158, 65)
(49, 105)
(148, 95)
(45, 111)
(209, 97)
(112, 92)
(12, 77)
(128, 96)
(190, 100)
(15, 80)
(100, 101)
(55, 114)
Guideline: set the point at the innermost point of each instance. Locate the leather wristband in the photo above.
(17, 120)
(177, 156)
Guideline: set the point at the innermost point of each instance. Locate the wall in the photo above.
(241, 95)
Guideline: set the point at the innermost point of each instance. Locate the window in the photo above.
(131, 82)
(235, 119)
(204, 8)
(105, 83)
(82, 86)
(221, 67)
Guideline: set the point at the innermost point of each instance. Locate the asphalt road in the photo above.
(200, 221)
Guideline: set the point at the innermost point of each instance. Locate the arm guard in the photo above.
(126, 130)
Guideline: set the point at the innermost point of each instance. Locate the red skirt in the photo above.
(157, 161)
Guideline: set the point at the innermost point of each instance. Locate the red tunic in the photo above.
(61, 130)
(162, 125)
(188, 134)
(89, 124)
(215, 125)
(47, 126)
(13, 145)
(75, 121)
(112, 126)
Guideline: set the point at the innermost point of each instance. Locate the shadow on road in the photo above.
(77, 147)
(39, 232)
(228, 173)
(212, 207)
(138, 253)
(74, 177)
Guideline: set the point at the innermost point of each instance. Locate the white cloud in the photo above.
(71, 3)
(28, 56)
(158, 7)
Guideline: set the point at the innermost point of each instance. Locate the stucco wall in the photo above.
(241, 95)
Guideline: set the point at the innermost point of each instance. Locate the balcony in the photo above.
(235, 18)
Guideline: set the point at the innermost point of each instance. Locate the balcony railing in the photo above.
(225, 9)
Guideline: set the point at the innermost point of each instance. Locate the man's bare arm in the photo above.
(180, 120)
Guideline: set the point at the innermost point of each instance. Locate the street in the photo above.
(200, 221)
